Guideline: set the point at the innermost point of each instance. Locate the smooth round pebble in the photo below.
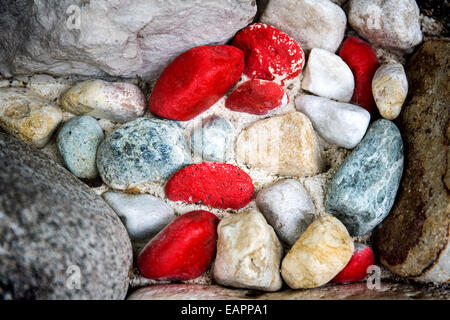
(142, 151)
(356, 269)
(389, 88)
(319, 255)
(144, 215)
(77, 142)
(212, 138)
(288, 209)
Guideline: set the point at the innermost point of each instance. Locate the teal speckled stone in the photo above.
(142, 151)
(77, 142)
(362, 192)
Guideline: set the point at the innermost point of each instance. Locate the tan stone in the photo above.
(413, 241)
(389, 88)
(285, 144)
(248, 253)
(318, 255)
(28, 116)
(116, 101)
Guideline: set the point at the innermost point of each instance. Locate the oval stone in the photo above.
(142, 151)
(362, 192)
(77, 142)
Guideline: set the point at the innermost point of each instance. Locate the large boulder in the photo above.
(414, 240)
(58, 239)
(117, 38)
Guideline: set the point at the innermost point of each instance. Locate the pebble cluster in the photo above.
(279, 239)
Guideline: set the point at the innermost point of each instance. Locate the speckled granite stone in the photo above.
(77, 142)
(141, 151)
(50, 222)
(362, 192)
(413, 241)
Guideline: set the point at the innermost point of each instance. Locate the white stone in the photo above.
(143, 215)
(287, 208)
(116, 101)
(386, 23)
(343, 124)
(28, 116)
(120, 38)
(248, 253)
(390, 88)
(313, 23)
(328, 76)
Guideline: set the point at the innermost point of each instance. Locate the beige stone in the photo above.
(389, 88)
(318, 255)
(28, 116)
(248, 253)
(285, 145)
(116, 101)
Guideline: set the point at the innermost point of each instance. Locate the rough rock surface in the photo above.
(143, 215)
(248, 253)
(285, 144)
(56, 233)
(414, 240)
(117, 38)
(389, 88)
(386, 23)
(288, 209)
(319, 255)
(77, 142)
(354, 291)
(343, 124)
(28, 116)
(362, 192)
(116, 101)
(313, 23)
(141, 151)
(328, 76)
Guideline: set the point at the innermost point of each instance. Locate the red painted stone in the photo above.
(183, 250)
(356, 269)
(363, 62)
(270, 54)
(196, 80)
(256, 97)
(215, 184)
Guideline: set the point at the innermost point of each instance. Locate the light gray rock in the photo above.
(389, 88)
(313, 23)
(55, 232)
(386, 23)
(117, 38)
(144, 215)
(248, 253)
(328, 76)
(343, 124)
(288, 209)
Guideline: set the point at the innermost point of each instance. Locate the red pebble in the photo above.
(218, 185)
(363, 62)
(356, 269)
(196, 80)
(183, 250)
(256, 97)
(270, 54)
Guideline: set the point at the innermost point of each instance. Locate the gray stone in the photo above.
(313, 23)
(142, 151)
(144, 215)
(288, 209)
(386, 23)
(212, 139)
(54, 231)
(77, 142)
(362, 192)
(117, 38)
